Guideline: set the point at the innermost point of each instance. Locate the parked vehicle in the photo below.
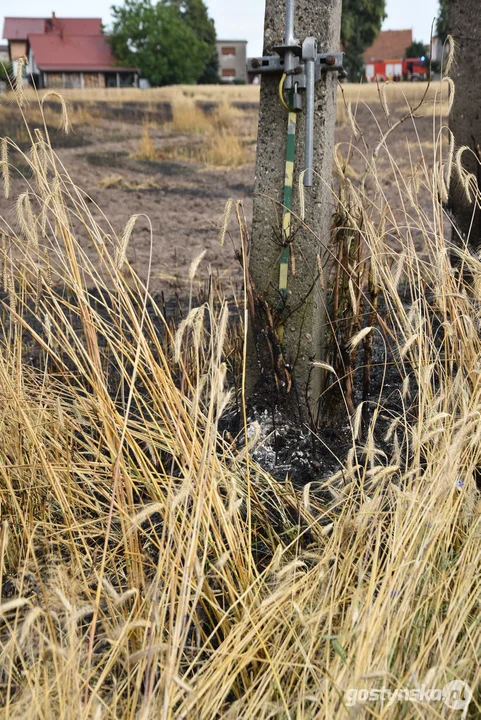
(407, 69)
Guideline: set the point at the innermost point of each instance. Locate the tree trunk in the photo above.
(284, 370)
(465, 27)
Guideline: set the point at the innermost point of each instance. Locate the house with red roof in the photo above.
(389, 44)
(66, 53)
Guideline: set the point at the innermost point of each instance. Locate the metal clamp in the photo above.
(272, 64)
(302, 66)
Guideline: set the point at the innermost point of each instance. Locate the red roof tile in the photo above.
(389, 45)
(73, 52)
(19, 28)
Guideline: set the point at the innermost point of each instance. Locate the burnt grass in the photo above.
(123, 160)
(130, 112)
(291, 445)
(288, 446)
(10, 127)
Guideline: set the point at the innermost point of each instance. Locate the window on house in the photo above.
(227, 72)
(228, 51)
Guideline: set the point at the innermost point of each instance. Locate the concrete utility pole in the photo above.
(289, 325)
(464, 21)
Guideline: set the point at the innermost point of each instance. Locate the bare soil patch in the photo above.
(179, 200)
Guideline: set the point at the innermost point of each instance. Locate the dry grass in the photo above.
(222, 148)
(411, 91)
(176, 93)
(367, 92)
(180, 94)
(149, 569)
(218, 137)
(119, 181)
(409, 94)
(189, 118)
(225, 149)
(147, 148)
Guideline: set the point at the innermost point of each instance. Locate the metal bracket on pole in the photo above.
(274, 64)
(302, 66)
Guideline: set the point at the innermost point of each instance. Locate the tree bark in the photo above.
(465, 27)
(285, 371)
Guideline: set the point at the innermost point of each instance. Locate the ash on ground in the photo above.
(291, 449)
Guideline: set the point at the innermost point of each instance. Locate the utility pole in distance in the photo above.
(299, 71)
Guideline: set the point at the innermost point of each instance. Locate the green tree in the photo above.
(416, 49)
(360, 25)
(194, 14)
(210, 76)
(170, 41)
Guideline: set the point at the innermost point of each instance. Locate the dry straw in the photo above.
(302, 197)
(447, 171)
(352, 122)
(167, 574)
(12, 295)
(384, 103)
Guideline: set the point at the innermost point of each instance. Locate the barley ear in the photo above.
(451, 92)
(463, 176)
(19, 92)
(5, 167)
(41, 150)
(26, 219)
(354, 341)
(450, 44)
(4, 264)
(195, 264)
(121, 252)
(225, 220)
(64, 118)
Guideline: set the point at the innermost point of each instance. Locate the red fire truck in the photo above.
(407, 69)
